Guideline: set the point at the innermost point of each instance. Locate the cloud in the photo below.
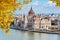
(50, 3)
(35, 3)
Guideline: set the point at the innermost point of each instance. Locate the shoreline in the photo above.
(47, 32)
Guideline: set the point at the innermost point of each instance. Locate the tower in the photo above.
(31, 12)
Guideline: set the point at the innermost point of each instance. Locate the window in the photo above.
(55, 22)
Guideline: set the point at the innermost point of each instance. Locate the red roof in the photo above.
(31, 12)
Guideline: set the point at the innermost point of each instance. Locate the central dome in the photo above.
(31, 12)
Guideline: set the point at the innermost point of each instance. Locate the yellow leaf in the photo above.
(20, 8)
(26, 2)
(6, 15)
(8, 33)
(52, 1)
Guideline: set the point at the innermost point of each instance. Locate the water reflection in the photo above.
(58, 37)
(41, 36)
(22, 35)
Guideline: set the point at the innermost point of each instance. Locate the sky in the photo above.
(39, 7)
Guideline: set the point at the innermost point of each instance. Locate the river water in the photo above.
(23, 35)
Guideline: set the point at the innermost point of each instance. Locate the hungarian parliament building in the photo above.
(37, 22)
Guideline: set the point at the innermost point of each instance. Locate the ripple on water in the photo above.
(22, 35)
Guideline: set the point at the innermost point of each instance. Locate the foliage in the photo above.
(56, 1)
(7, 8)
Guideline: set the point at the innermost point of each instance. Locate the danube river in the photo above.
(21, 35)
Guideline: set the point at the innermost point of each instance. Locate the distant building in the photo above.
(45, 23)
(30, 18)
(19, 21)
(54, 21)
(15, 21)
(59, 23)
(26, 21)
(31, 12)
(37, 21)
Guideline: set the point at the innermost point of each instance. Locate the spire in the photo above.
(31, 12)
(31, 8)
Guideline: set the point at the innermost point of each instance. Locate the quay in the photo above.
(38, 31)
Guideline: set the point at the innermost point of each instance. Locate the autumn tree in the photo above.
(7, 8)
(56, 1)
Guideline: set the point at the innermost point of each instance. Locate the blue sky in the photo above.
(39, 7)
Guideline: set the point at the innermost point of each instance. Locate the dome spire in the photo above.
(31, 7)
(31, 12)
